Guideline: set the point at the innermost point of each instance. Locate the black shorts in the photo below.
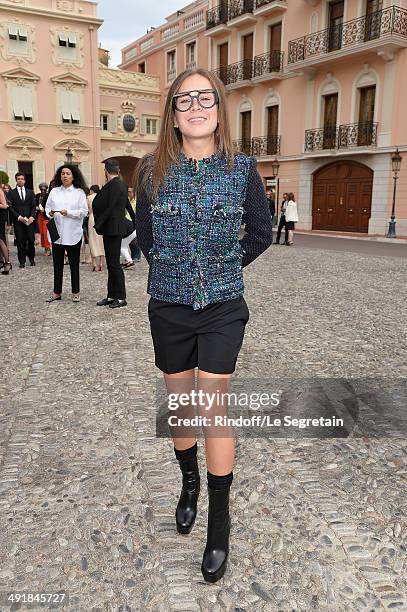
(209, 338)
(290, 225)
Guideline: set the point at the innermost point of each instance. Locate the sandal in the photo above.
(7, 267)
(53, 298)
(100, 268)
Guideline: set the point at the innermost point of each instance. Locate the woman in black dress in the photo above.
(5, 263)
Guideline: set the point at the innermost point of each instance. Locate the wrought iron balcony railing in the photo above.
(259, 146)
(341, 137)
(241, 71)
(260, 3)
(217, 15)
(237, 8)
(268, 62)
(378, 25)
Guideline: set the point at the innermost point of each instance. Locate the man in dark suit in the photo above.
(109, 209)
(22, 208)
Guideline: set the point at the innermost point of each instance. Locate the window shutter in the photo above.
(65, 105)
(22, 32)
(39, 172)
(75, 106)
(85, 168)
(59, 163)
(17, 102)
(143, 126)
(12, 168)
(13, 31)
(112, 123)
(27, 102)
(72, 38)
(63, 37)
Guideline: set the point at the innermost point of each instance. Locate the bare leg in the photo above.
(182, 382)
(219, 441)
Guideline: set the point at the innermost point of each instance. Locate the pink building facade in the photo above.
(318, 84)
(58, 102)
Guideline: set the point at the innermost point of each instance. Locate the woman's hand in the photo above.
(51, 213)
(64, 212)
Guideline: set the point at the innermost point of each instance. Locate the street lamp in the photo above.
(395, 164)
(69, 155)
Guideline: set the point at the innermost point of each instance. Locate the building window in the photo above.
(191, 56)
(151, 126)
(18, 40)
(171, 66)
(142, 67)
(70, 106)
(104, 123)
(129, 123)
(21, 102)
(67, 45)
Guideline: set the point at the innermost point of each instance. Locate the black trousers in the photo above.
(73, 251)
(282, 224)
(25, 238)
(116, 287)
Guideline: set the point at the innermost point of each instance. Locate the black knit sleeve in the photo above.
(143, 222)
(259, 234)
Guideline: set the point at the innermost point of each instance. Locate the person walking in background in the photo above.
(272, 203)
(133, 246)
(128, 238)
(41, 200)
(282, 222)
(22, 207)
(291, 217)
(97, 250)
(109, 209)
(67, 205)
(5, 264)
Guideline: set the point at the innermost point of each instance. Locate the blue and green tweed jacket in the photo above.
(189, 233)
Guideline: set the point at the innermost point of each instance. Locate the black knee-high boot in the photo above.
(217, 542)
(186, 509)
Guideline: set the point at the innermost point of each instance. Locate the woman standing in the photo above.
(66, 204)
(291, 217)
(191, 194)
(5, 264)
(97, 250)
(41, 200)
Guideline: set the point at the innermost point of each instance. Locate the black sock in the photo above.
(188, 452)
(219, 482)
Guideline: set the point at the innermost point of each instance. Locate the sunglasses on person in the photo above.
(206, 98)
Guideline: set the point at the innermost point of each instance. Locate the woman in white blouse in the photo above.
(291, 217)
(67, 205)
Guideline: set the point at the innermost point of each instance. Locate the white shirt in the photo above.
(21, 192)
(291, 213)
(74, 200)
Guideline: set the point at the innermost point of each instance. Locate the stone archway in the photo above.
(128, 165)
(342, 197)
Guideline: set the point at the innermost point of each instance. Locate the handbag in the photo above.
(52, 229)
(130, 227)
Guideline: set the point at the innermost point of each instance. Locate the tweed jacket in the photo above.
(189, 233)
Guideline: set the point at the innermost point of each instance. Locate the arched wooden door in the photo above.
(342, 197)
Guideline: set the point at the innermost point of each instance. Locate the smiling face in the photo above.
(66, 177)
(197, 122)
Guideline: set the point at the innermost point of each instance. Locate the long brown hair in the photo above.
(169, 143)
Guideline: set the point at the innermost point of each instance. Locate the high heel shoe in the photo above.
(7, 267)
(185, 513)
(216, 552)
(100, 268)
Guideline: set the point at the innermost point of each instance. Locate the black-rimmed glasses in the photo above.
(206, 98)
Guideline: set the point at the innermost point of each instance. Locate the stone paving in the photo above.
(87, 492)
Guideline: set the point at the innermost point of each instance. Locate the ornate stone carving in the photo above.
(72, 143)
(66, 6)
(28, 58)
(74, 62)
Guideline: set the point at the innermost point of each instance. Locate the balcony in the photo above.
(268, 7)
(216, 20)
(249, 72)
(241, 12)
(260, 146)
(267, 64)
(171, 75)
(383, 32)
(343, 137)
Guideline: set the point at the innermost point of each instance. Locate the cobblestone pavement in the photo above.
(87, 492)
